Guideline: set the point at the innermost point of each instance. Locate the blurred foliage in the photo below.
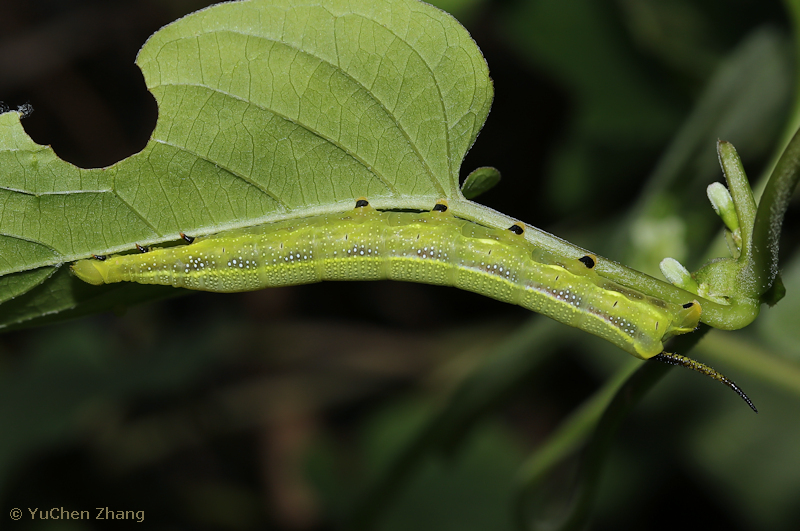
(286, 408)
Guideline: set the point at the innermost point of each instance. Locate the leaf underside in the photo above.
(267, 111)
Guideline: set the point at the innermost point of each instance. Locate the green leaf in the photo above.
(267, 110)
(481, 180)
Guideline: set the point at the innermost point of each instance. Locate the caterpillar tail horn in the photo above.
(683, 361)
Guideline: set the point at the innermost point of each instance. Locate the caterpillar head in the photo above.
(91, 271)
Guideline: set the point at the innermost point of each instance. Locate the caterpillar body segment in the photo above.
(430, 247)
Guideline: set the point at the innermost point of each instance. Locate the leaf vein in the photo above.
(414, 147)
(284, 207)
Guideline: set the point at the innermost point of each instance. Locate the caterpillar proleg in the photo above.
(432, 247)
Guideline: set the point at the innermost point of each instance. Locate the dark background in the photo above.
(273, 409)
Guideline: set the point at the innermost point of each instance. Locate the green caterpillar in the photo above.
(430, 247)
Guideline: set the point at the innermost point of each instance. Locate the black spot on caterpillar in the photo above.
(517, 229)
(589, 262)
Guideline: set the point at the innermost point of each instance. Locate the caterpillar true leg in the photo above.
(186, 238)
(689, 363)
